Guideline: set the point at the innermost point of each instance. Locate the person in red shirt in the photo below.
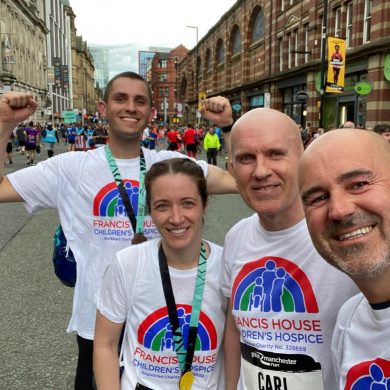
(190, 139)
(173, 139)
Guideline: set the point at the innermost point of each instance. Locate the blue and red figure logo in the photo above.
(273, 284)
(370, 375)
(109, 203)
(155, 332)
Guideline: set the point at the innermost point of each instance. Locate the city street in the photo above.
(36, 352)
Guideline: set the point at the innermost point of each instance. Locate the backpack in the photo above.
(63, 259)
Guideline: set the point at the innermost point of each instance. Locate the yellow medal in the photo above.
(186, 380)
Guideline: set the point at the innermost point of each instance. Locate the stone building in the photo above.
(268, 53)
(85, 95)
(163, 83)
(23, 64)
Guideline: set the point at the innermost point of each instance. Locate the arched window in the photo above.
(236, 47)
(258, 26)
(208, 60)
(220, 52)
(198, 67)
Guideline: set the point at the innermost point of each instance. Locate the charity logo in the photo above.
(273, 284)
(369, 375)
(109, 203)
(155, 332)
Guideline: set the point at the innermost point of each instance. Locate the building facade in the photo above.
(23, 64)
(59, 61)
(164, 81)
(268, 53)
(85, 94)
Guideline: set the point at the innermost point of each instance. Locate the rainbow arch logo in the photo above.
(155, 332)
(273, 284)
(369, 375)
(109, 203)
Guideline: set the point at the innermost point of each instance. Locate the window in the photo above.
(289, 39)
(164, 104)
(208, 60)
(337, 22)
(163, 77)
(220, 52)
(367, 21)
(295, 47)
(349, 24)
(198, 67)
(162, 63)
(236, 48)
(163, 91)
(280, 43)
(306, 27)
(258, 26)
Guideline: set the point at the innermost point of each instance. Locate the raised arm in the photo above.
(15, 107)
(218, 110)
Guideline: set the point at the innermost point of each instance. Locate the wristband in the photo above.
(226, 129)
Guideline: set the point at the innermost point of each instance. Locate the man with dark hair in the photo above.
(383, 129)
(344, 180)
(91, 209)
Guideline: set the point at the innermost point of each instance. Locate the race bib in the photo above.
(263, 370)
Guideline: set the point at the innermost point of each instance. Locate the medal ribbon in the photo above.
(184, 354)
(136, 222)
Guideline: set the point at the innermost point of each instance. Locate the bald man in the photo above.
(283, 297)
(346, 196)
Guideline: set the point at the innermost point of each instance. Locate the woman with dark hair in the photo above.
(168, 293)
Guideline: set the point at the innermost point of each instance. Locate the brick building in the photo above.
(266, 52)
(163, 71)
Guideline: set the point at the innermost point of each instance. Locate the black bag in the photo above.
(63, 259)
(38, 149)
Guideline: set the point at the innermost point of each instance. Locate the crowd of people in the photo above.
(259, 313)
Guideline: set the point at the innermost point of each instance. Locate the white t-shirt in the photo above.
(285, 301)
(132, 290)
(361, 346)
(81, 186)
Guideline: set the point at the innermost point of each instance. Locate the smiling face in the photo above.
(177, 210)
(266, 147)
(128, 109)
(345, 188)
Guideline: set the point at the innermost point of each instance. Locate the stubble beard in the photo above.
(358, 260)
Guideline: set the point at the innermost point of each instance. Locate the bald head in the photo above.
(334, 147)
(267, 120)
(344, 180)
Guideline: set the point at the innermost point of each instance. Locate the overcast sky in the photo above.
(130, 25)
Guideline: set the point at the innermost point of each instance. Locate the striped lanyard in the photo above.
(137, 222)
(185, 354)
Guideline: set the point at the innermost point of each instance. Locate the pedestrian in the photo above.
(284, 297)
(100, 135)
(9, 150)
(136, 292)
(71, 137)
(21, 138)
(173, 138)
(190, 138)
(211, 145)
(345, 188)
(50, 137)
(31, 134)
(90, 207)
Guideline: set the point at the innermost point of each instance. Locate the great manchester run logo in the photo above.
(273, 284)
(369, 375)
(155, 332)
